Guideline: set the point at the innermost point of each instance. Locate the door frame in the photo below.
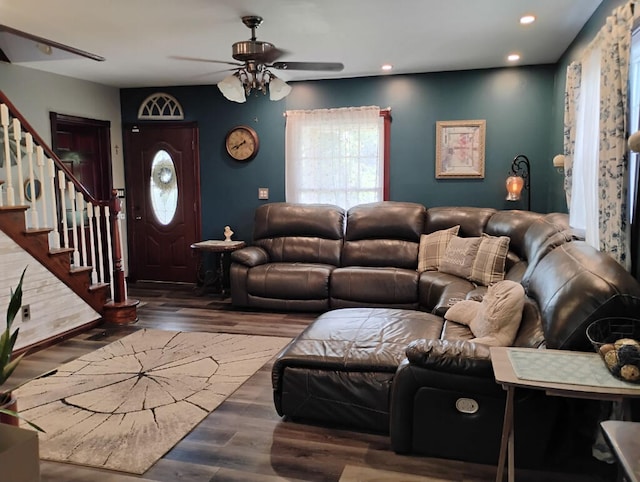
(103, 133)
(131, 232)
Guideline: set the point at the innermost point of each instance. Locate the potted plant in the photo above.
(19, 455)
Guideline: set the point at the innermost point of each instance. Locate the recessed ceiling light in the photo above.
(513, 57)
(527, 19)
(387, 67)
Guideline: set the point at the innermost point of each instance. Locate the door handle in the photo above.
(138, 218)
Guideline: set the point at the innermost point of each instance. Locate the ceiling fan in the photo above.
(255, 58)
(19, 46)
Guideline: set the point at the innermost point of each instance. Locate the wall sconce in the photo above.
(519, 178)
(558, 162)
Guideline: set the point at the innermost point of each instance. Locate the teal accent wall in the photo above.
(517, 104)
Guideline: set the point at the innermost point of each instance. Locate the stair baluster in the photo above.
(107, 218)
(62, 185)
(71, 189)
(32, 183)
(4, 117)
(51, 175)
(17, 136)
(43, 197)
(92, 244)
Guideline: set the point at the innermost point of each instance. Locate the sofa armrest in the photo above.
(453, 356)
(250, 256)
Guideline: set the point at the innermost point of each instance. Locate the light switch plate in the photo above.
(263, 193)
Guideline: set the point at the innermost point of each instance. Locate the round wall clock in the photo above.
(242, 143)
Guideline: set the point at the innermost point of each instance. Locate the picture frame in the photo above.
(460, 149)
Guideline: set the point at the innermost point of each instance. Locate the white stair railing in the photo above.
(32, 178)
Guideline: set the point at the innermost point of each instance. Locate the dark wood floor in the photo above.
(244, 439)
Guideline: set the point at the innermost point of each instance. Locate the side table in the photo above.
(565, 385)
(220, 277)
(624, 439)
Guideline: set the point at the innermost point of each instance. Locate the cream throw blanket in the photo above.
(495, 320)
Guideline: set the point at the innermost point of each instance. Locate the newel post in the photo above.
(120, 309)
(119, 287)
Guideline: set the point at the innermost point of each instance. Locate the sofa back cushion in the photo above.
(305, 233)
(383, 234)
(472, 220)
(543, 236)
(574, 285)
(513, 224)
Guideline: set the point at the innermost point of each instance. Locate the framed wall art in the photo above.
(460, 149)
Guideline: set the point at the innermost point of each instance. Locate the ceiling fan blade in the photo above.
(331, 66)
(198, 59)
(270, 55)
(51, 43)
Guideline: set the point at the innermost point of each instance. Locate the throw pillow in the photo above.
(499, 315)
(432, 248)
(459, 256)
(488, 267)
(463, 312)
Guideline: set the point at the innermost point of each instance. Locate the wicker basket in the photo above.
(616, 340)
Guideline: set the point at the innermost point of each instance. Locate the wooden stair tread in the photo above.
(31, 231)
(80, 269)
(57, 251)
(99, 286)
(13, 208)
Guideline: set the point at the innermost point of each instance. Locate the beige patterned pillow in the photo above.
(432, 248)
(459, 256)
(488, 267)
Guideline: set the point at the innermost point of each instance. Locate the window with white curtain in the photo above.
(634, 114)
(583, 211)
(335, 156)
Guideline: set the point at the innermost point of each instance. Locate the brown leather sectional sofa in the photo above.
(382, 358)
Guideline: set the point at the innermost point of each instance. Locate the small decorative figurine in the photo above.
(227, 233)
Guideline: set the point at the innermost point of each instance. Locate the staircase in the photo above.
(46, 211)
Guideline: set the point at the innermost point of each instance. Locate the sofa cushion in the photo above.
(438, 291)
(340, 369)
(290, 281)
(495, 320)
(488, 267)
(305, 233)
(383, 234)
(459, 256)
(369, 286)
(432, 248)
(472, 220)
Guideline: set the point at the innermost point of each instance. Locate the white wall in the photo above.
(36, 93)
(54, 307)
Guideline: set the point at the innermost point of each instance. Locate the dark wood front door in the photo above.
(163, 196)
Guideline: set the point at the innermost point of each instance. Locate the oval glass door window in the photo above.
(164, 187)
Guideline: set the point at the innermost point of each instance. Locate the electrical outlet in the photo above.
(263, 193)
(26, 313)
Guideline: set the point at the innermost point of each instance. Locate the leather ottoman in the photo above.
(339, 370)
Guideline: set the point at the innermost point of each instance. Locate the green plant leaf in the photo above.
(11, 413)
(7, 370)
(16, 302)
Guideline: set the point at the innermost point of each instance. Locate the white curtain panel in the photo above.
(614, 109)
(596, 168)
(334, 156)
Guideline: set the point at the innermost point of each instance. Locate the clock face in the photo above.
(242, 143)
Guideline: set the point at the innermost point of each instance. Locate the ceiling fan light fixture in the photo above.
(278, 88)
(232, 88)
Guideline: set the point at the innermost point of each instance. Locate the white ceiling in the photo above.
(138, 38)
